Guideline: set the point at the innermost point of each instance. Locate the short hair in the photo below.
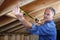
(52, 9)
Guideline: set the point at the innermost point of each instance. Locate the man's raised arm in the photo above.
(19, 15)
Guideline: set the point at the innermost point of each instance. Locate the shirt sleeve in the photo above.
(45, 29)
(34, 29)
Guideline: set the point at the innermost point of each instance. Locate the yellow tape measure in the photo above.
(25, 13)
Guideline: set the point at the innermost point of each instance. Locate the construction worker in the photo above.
(46, 31)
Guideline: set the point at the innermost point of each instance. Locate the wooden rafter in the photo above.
(7, 6)
(4, 20)
(9, 26)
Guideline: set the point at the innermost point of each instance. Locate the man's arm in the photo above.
(19, 15)
(25, 22)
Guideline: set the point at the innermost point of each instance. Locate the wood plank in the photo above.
(38, 5)
(9, 36)
(5, 20)
(6, 37)
(18, 37)
(25, 2)
(13, 37)
(22, 37)
(34, 37)
(21, 31)
(15, 28)
(1, 37)
(11, 25)
(7, 6)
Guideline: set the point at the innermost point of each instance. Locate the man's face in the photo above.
(48, 15)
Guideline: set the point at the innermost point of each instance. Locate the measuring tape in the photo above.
(25, 13)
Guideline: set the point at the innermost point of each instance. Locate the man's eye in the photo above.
(47, 14)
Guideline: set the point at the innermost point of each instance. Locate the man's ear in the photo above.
(53, 16)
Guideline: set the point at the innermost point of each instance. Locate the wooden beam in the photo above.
(15, 28)
(38, 5)
(9, 26)
(11, 15)
(21, 31)
(4, 20)
(9, 4)
(25, 2)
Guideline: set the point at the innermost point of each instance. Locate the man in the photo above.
(46, 31)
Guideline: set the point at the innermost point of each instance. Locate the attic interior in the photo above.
(12, 29)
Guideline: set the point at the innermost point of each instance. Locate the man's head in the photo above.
(49, 14)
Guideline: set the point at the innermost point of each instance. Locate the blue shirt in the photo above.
(46, 31)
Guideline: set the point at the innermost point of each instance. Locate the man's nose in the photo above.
(45, 15)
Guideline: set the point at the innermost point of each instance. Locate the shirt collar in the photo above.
(49, 21)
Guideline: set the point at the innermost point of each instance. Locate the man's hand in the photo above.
(17, 13)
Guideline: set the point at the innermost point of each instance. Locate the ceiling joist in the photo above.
(9, 4)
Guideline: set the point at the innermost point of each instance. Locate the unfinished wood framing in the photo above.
(35, 8)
